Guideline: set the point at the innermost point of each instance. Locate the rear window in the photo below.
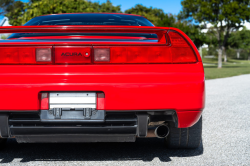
(90, 19)
(87, 19)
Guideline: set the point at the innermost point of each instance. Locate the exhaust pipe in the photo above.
(161, 131)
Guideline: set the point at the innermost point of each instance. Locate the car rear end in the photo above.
(108, 88)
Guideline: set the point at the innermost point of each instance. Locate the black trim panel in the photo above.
(74, 138)
(41, 130)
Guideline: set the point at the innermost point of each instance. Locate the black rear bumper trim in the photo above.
(40, 130)
(74, 138)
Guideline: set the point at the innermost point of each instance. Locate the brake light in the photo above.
(44, 101)
(181, 51)
(25, 55)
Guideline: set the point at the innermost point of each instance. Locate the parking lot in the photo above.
(226, 138)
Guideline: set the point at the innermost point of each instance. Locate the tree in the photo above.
(240, 40)
(159, 18)
(193, 31)
(11, 8)
(152, 14)
(6, 6)
(33, 9)
(226, 16)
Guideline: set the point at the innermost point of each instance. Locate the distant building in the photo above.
(4, 22)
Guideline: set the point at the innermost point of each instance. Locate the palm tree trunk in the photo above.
(220, 58)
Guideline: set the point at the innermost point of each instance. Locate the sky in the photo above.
(168, 6)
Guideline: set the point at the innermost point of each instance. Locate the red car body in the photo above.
(127, 87)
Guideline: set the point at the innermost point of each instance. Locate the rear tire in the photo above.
(3, 143)
(189, 138)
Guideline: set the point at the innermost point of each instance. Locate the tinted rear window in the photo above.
(90, 19)
(87, 19)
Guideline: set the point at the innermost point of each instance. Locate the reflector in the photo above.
(44, 101)
(100, 102)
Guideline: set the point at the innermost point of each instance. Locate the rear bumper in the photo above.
(115, 127)
(29, 127)
(178, 87)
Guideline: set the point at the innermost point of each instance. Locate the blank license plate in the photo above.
(72, 100)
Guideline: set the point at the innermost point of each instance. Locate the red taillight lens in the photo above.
(72, 54)
(17, 55)
(101, 54)
(100, 103)
(136, 54)
(25, 55)
(43, 55)
(181, 51)
(44, 101)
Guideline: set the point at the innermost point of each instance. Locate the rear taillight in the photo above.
(44, 101)
(133, 54)
(181, 51)
(176, 50)
(25, 55)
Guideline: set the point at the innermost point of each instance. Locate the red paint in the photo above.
(187, 118)
(126, 86)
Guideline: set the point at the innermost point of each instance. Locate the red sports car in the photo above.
(92, 77)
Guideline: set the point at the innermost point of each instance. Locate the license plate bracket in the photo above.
(79, 115)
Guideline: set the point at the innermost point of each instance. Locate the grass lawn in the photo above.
(231, 68)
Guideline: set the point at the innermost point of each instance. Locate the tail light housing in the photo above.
(132, 54)
(26, 55)
(181, 50)
(176, 50)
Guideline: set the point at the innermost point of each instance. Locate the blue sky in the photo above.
(168, 6)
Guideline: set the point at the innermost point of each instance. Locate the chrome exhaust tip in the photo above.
(161, 131)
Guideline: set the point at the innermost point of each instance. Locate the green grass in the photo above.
(231, 68)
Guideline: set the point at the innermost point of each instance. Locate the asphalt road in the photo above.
(226, 138)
